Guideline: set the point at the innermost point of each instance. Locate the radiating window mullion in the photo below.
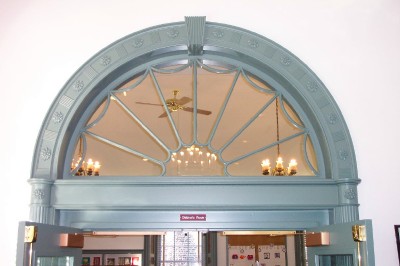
(159, 141)
(251, 120)
(266, 147)
(157, 85)
(221, 112)
(195, 102)
(306, 155)
(124, 148)
(103, 112)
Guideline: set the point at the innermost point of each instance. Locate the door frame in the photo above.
(329, 198)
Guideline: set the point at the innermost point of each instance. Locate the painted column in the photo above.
(40, 207)
(347, 209)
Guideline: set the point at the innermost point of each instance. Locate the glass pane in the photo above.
(251, 165)
(177, 91)
(119, 127)
(181, 248)
(145, 125)
(144, 101)
(55, 261)
(194, 161)
(117, 162)
(212, 91)
(244, 102)
(336, 260)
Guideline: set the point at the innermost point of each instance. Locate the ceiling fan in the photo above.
(175, 104)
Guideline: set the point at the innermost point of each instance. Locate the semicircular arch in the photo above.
(196, 38)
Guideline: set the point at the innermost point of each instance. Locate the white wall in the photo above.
(352, 45)
(121, 243)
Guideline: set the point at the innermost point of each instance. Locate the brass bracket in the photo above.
(359, 233)
(30, 234)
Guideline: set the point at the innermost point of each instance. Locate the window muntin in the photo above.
(132, 134)
(181, 248)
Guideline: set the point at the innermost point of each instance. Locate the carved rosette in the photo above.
(348, 199)
(312, 86)
(40, 192)
(173, 33)
(348, 193)
(45, 153)
(40, 201)
(78, 85)
(332, 118)
(253, 43)
(137, 42)
(218, 34)
(343, 154)
(57, 117)
(105, 60)
(285, 60)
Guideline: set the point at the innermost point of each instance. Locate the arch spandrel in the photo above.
(220, 39)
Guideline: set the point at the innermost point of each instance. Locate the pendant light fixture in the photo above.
(279, 169)
(88, 168)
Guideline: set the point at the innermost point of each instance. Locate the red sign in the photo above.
(193, 217)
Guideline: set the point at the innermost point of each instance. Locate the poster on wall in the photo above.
(242, 255)
(110, 261)
(96, 261)
(85, 261)
(272, 255)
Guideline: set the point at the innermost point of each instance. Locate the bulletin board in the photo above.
(246, 250)
(112, 257)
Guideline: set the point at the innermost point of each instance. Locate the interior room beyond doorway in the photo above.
(196, 247)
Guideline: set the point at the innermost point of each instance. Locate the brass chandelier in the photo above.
(279, 169)
(89, 168)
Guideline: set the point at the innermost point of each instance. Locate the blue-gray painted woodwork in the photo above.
(46, 244)
(342, 246)
(89, 202)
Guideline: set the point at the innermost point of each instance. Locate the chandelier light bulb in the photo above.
(279, 169)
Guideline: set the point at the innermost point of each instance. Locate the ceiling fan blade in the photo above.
(149, 103)
(183, 100)
(199, 111)
(163, 115)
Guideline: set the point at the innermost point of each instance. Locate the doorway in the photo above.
(193, 247)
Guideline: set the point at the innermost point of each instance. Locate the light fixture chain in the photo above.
(277, 125)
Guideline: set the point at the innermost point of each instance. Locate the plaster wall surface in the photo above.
(352, 46)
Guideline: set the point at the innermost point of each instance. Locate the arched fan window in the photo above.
(193, 118)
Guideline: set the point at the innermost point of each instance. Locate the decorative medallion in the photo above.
(312, 86)
(38, 194)
(57, 117)
(105, 60)
(253, 43)
(350, 194)
(332, 119)
(286, 60)
(343, 154)
(173, 33)
(78, 85)
(218, 34)
(45, 154)
(137, 42)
